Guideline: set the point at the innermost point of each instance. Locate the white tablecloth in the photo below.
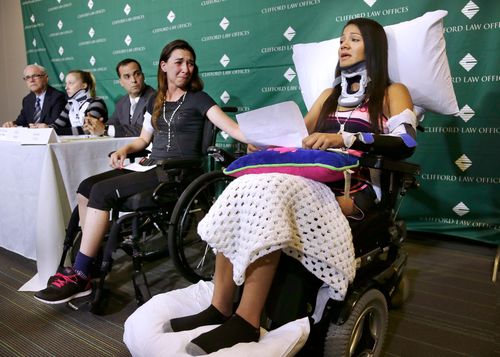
(37, 192)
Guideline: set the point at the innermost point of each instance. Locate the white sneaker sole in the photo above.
(77, 295)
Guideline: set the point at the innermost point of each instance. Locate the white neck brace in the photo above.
(349, 75)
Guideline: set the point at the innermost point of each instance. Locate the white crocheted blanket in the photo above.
(258, 214)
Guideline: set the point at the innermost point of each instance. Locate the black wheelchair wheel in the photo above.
(363, 334)
(193, 257)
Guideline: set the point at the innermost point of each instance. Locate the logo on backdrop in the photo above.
(461, 209)
(463, 162)
(34, 23)
(224, 24)
(290, 74)
(372, 13)
(93, 61)
(225, 97)
(92, 12)
(60, 50)
(61, 76)
(470, 9)
(127, 10)
(211, 2)
(33, 50)
(60, 25)
(224, 61)
(128, 40)
(468, 62)
(171, 17)
(92, 40)
(288, 7)
(59, 7)
(289, 34)
(466, 113)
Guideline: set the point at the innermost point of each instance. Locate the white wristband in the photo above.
(348, 139)
(111, 130)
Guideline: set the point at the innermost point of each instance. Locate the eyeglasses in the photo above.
(33, 76)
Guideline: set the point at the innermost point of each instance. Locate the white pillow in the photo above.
(417, 58)
(144, 336)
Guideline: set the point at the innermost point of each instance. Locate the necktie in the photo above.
(38, 111)
(133, 104)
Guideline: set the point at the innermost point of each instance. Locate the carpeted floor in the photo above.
(453, 308)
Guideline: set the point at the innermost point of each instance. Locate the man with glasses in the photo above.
(43, 104)
(129, 110)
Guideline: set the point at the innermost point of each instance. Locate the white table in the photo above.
(37, 192)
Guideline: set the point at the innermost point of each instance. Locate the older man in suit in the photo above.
(129, 110)
(43, 104)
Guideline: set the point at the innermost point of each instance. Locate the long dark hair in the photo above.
(194, 85)
(375, 41)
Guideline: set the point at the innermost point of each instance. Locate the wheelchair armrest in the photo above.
(170, 164)
(134, 155)
(384, 163)
(221, 155)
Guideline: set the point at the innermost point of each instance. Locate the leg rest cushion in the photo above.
(144, 334)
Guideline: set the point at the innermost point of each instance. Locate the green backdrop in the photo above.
(244, 54)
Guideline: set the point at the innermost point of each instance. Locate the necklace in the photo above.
(171, 119)
(342, 125)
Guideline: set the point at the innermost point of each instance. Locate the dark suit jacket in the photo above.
(53, 104)
(120, 117)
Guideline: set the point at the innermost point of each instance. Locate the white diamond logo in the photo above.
(61, 76)
(90, 4)
(468, 62)
(32, 18)
(92, 61)
(127, 9)
(225, 97)
(61, 50)
(290, 74)
(463, 162)
(128, 40)
(91, 32)
(224, 23)
(289, 33)
(466, 113)
(224, 135)
(34, 42)
(461, 209)
(224, 61)
(58, 1)
(470, 9)
(171, 16)
(60, 25)
(370, 2)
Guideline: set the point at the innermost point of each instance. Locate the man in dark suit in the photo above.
(43, 104)
(129, 110)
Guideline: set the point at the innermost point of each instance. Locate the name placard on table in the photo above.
(27, 136)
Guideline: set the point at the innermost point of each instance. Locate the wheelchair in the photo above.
(355, 326)
(138, 221)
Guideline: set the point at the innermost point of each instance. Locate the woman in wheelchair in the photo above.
(174, 123)
(252, 222)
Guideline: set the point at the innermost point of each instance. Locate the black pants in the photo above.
(105, 191)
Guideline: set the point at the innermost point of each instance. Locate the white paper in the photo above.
(279, 124)
(38, 136)
(138, 167)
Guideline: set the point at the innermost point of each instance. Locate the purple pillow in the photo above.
(319, 165)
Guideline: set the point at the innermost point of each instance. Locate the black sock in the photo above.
(209, 316)
(233, 331)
